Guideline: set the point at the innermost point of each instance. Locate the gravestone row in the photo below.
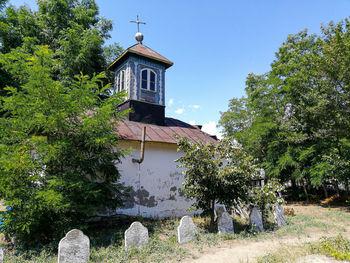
(75, 246)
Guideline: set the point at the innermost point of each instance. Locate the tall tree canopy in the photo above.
(295, 118)
(58, 146)
(73, 29)
(57, 149)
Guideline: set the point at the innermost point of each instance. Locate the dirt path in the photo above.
(238, 251)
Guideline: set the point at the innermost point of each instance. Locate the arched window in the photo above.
(120, 80)
(148, 79)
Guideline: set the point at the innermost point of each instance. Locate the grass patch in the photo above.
(339, 216)
(30, 257)
(156, 250)
(285, 254)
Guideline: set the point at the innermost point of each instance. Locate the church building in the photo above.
(155, 180)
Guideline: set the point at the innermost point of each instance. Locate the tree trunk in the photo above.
(294, 185)
(325, 190)
(212, 216)
(305, 190)
(347, 189)
(336, 186)
(294, 189)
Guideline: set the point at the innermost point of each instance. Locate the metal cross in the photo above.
(138, 23)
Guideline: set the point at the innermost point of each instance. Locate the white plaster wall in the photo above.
(159, 177)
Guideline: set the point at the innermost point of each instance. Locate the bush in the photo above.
(337, 247)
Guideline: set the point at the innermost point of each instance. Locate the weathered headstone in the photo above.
(219, 209)
(278, 213)
(1, 256)
(186, 230)
(225, 224)
(255, 219)
(135, 236)
(74, 248)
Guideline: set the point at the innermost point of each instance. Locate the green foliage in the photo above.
(295, 118)
(215, 173)
(57, 149)
(264, 197)
(71, 28)
(337, 247)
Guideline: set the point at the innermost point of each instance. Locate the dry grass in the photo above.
(335, 200)
(289, 211)
(285, 254)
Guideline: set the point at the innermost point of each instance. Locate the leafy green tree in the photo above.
(296, 116)
(215, 173)
(2, 4)
(57, 149)
(73, 29)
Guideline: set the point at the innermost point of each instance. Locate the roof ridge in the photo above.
(145, 51)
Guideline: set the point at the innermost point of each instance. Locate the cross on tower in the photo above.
(138, 23)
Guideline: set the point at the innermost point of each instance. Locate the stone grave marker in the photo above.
(219, 209)
(225, 224)
(74, 248)
(135, 236)
(278, 213)
(186, 230)
(255, 219)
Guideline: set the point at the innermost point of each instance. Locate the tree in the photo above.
(215, 173)
(71, 28)
(2, 4)
(298, 113)
(57, 149)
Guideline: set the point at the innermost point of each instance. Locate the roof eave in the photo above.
(112, 66)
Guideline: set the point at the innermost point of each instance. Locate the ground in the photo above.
(311, 223)
(295, 242)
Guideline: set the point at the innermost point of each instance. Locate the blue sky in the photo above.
(214, 44)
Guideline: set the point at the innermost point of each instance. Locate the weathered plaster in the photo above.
(158, 191)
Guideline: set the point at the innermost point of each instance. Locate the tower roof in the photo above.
(143, 51)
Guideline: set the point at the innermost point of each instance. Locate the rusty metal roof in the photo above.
(142, 50)
(131, 130)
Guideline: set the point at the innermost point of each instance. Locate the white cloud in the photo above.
(192, 122)
(195, 107)
(180, 111)
(209, 127)
(171, 101)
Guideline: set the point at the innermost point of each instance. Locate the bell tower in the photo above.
(140, 71)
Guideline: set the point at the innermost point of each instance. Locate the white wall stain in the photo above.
(160, 180)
